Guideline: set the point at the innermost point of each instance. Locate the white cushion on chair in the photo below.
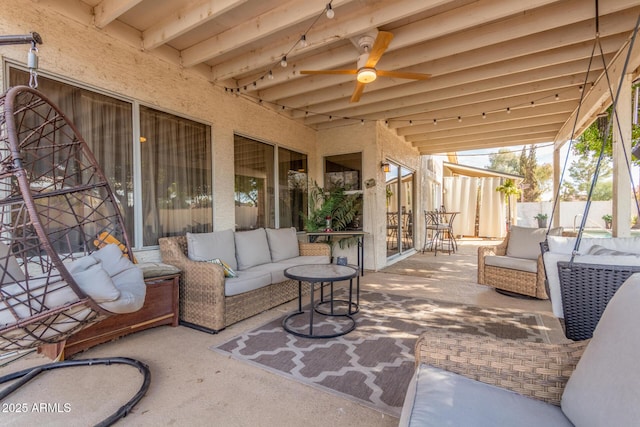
(92, 279)
(524, 242)
(604, 389)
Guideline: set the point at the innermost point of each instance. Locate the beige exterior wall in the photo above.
(75, 51)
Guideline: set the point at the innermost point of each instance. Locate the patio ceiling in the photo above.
(520, 64)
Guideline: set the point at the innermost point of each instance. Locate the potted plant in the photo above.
(608, 220)
(333, 210)
(542, 220)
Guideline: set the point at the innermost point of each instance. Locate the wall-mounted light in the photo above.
(386, 167)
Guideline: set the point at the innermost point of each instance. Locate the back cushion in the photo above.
(283, 243)
(252, 248)
(208, 246)
(603, 390)
(524, 242)
(10, 270)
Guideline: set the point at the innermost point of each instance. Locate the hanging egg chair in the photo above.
(64, 253)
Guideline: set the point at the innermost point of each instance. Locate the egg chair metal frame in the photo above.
(56, 206)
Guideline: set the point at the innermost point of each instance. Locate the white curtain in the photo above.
(492, 220)
(461, 195)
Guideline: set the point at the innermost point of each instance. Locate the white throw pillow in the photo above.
(92, 279)
(524, 242)
(252, 248)
(603, 390)
(208, 246)
(283, 243)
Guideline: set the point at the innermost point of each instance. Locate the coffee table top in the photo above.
(321, 272)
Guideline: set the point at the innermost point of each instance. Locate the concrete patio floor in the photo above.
(194, 386)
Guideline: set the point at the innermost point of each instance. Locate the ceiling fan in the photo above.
(366, 71)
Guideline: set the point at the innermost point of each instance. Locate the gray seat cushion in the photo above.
(439, 398)
(522, 264)
(604, 389)
(246, 281)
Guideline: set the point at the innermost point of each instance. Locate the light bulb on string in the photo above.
(283, 62)
(435, 122)
(270, 75)
(459, 119)
(330, 12)
(303, 41)
(484, 116)
(508, 110)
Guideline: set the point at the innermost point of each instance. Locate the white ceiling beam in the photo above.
(557, 120)
(277, 19)
(598, 98)
(494, 143)
(415, 93)
(186, 19)
(491, 135)
(324, 34)
(542, 23)
(108, 11)
(514, 96)
(560, 108)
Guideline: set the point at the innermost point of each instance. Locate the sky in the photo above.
(480, 158)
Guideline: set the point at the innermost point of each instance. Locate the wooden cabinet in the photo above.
(160, 308)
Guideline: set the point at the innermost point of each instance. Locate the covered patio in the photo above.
(194, 385)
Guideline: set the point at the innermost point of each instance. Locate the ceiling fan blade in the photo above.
(357, 92)
(329, 72)
(402, 75)
(379, 46)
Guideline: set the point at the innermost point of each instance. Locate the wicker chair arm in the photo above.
(536, 370)
(310, 249)
(483, 251)
(541, 278)
(201, 284)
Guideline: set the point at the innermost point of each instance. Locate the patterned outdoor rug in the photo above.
(374, 363)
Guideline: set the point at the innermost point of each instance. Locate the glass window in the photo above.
(254, 184)
(176, 165)
(292, 185)
(175, 158)
(345, 171)
(105, 123)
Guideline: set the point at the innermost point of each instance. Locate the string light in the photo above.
(283, 63)
(533, 104)
(580, 88)
(484, 116)
(330, 12)
(303, 40)
(508, 110)
(435, 122)
(270, 75)
(557, 97)
(459, 119)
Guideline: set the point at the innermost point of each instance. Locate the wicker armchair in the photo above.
(507, 279)
(517, 269)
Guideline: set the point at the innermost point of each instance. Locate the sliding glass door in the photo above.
(399, 209)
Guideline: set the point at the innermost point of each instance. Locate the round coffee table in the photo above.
(340, 323)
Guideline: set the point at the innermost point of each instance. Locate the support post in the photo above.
(621, 204)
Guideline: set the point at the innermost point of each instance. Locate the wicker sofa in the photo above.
(210, 301)
(464, 379)
(515, 265)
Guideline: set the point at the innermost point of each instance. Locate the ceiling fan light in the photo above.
(366, 75)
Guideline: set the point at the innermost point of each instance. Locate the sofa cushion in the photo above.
(246, 281)
(603, 390)
(252, 248)
(283, 243)
(208, 246)
(512, 263)
(278, 275)
(439, 398)
(565, 245)
(524, 242)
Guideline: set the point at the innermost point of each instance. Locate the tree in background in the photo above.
(504, 161)
(537, 178)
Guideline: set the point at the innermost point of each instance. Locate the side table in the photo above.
(160, 308)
